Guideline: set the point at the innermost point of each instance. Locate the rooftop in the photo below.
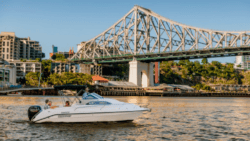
(99, 78)
(8, 33)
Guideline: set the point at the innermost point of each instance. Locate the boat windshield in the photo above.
(97, 95)
(91, 96)
(98, 103)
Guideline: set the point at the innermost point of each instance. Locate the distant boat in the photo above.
(15, 94)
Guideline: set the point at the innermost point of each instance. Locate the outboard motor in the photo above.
(33, 110)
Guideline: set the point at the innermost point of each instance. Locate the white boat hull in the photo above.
(93, 108)
(92, 117)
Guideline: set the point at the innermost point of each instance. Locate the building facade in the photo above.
(58, 67)
(7, 74)
(22, 68)
(15, 48)
(242, 62)
(91, 69)
(67, 55)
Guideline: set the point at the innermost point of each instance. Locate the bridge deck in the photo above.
(180, 55)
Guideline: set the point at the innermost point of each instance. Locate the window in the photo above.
(7, 49)
(96, 95)
(98, 103)
(90, 97)
(7, 56)
(3, 43)
(3, 49)
(8, 43)
(3, 56)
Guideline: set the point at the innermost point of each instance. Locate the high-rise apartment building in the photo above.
(15, 48)
(22, 68)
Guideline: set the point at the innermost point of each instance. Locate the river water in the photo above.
(171, 118)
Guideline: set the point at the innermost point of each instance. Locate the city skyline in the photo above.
(66, 24)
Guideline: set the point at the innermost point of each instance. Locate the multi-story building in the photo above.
(15, 48)
(7, 74)
(67, 55)
(90, 69)
(58, 67)
(22, 68)
(242, 62)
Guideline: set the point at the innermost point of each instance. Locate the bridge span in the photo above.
(142, 37)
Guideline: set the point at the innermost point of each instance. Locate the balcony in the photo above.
(20, 69)
(29, 69)
(20, 74)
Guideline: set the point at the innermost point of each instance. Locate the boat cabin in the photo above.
(91, 99)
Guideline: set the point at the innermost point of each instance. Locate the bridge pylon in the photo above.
(141, 74)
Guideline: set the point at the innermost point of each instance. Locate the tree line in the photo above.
(47, 78)
(199, 74)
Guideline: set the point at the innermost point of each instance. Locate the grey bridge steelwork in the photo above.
(146, 36)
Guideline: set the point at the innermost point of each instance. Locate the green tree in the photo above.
(46, 67)
(55, 79)
(205, 87)
(58, 57)
(38, 59)
(166, 73)
(120, 70)
(32, 78)
(198, 86)
(204, 61)
(181, 63)
(83, 79)
(70, 78)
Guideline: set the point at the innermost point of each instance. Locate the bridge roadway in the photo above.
(167, 56)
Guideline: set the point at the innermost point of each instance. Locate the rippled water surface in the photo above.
(174, 118)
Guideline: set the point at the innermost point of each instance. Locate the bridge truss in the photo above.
(144, 35)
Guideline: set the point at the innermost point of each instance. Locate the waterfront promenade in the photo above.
(5, 91)
(131, 91)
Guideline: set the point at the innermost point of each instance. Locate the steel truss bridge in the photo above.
(148, 37)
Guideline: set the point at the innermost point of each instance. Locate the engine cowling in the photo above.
(33, 110)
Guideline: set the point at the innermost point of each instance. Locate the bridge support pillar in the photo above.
(141, 74)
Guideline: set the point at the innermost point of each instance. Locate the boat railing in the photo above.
(66, 98)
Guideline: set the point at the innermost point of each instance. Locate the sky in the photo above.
(66, 23)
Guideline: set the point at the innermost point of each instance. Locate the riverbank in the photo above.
(125, 91)
(214, 94)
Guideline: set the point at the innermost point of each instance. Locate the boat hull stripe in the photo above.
(90, 113)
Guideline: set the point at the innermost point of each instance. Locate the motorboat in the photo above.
(91, 107)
